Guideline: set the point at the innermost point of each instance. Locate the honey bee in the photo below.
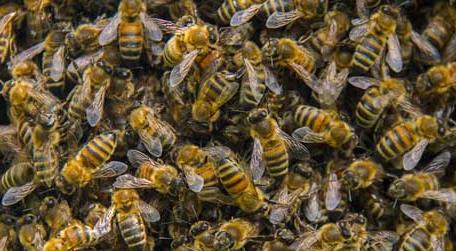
(379, 30)
(150, 174)
(31, 233)
(84, 39)
(303, 9)
(238, 12)
(377, 207)
(131, 25)
(436, 83)
(234, 234)
(74, 236)
(271, 145)
(7, 37)
(90, 162)
(409, 139)
(427, 233)
(287, 204)
(130, 213)
(322, 126)
(282, 237)
(203, 234)
(19, 173)
(155, 134)
(361, 174)
(56, 214)
(423, 184)
(39, 19)
(8, 235)
(381, 241)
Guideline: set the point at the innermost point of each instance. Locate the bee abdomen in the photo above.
(311, 117)
(227, 10)
(416, 240)
(368, 111)
(368, 51)
(172, 54)
(16, 175)
(45, 165)
(272, 6)
(246, 96)
(98, 150)
(131, 40)
(133, 231)
(232, 177)
(396, 142)
(276, 158)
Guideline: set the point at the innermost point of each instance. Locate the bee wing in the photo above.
(439, 163)
(180, 71)
(28, 54)
(6, 19)
(111, 169)
(358, 32)
(333, 85)
(217, 153)
(278, 214)
(103, 225)
(411, 158)
(253, 80)
(109, 32)
(333, 195)
(3, 242)
(152, 30)
(194, 181)
(363, 82)
(257, 165)
(449, 53)
(384, 236)
(425, 46)
(393, 56)
(306, 135)
(16, 194)
(312, 207)
(38, 240)
(243, 16)
(148, 212)
(305, 242)
(167, 26)
(271, 81)
(58, 64)
(332, 39)
(95, 111)
(412, 212)
(361, 8)
(437, 243)
(279, 19)
(80, 63)
(297, 149)
(227, 93)
(406, 106)
(311, 81)
(128, 181)
(137, 158)
(152, 144)
(445, 195)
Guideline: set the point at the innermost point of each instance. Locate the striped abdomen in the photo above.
(211, 189)
(232, 177)
(78, 105)
(275, 156)
(246, 98)
(77, 235)
(438, 31)
(172, 54)
(397, 141)
(25, 134)
(98, 150)
(416, 239)
(133, 230)
(131, 40)
(162, 131)
(227, 10)
(370, 48)
(16, 175)
(272, 6)
(7, 44)
(45, 165)
(369, 108)
(47, 67)
(213, 88)
(312, 117)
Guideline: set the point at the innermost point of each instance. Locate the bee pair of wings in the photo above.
(6, 20)
(104, 224)
(78, 65)
(257, 164)
(228, 91)
(94, 112)
(312, 205)
(416, 214)
(152, 143)
(282, 202)
(270, 80)
(279, 19)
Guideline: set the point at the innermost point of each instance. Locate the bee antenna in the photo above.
(395, 203)
(349, 195)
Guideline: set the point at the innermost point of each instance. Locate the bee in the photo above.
(427, 233)
(381, 241)
(288, 203)
(203, 234)
(8, 235)
(212, 95)
(436, 83)
(238, 12)
(373, 36)
(56, 214)
(270, 147)
(131, 25)
(84, 39)
(423, 184)
(31, 232)
(130, 214)
(322, 126)
(19, 173)
(329, 236)
(440, 26)
(408, 140)
(39, 19)
(300, 176)
(7, 37)
(361, 174)
(75, 235)
(377, 207)
(155, 134)
(282, 237)
(150, 174)
(234, 234)
(303, 9)
(90, 162)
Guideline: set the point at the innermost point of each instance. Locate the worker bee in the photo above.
(84, 39)
(56, 214)
(361, 174)
(155, 134)
(19, 173)
(322, 126)
(427, 233)
(7, 37)
(303, 9)
(130, 214)
(436, 83)
(90, 162)
(286, 205)
(150, 174)
(39, 20)
(131, 25)
(381, 240)
(237, 12)
(31, 232)
(234, 234)
(377, 207)
(202, 233)
(271, 145)
(8, 234)
(76, 235)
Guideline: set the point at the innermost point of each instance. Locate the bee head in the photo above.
(257, 116)
(199, 227)
(397, 190)
(223, 241)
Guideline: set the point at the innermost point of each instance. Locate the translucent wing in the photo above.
(257, 165)
(111, 169)
(83, 61)
(95, 111)
(152, 144)
(306, 242)
(425, 46)
(16, 194)
(194, 181)
(128, 181)
(297, 149)
(152, 30)
(332, 85)
(332, 195)
(148, 212)
(444, 195)
(358, 32)
(28, 54)
(449, 53)
(103, 225)
(180, 71)
(412, 212)
(306, 135)
(311, 81)
(332, 40)
(271, 81)
(109, 33)
(411, 158)
(227, 93)
(278, 215)
(137, 158)
(438, 243)
(167, 26)
(312, 207)
(279, 19)
(38, 240)
(393, 56)
(363, 82)
(243, 16)
(253, 80)
(5, 20)
(3, 242)
(58, 64)
(385, 238)
(217, 153)
(439, 163)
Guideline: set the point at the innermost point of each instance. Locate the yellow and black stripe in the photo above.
(45, 165)
(314, 118)
(368, 109)
(232, 176)
(369, 49)
(173, 54)
(16, 175)
(397, 141)
(272, 6)
(275, 156)
(131, 40)
(98, 150)
(133, 230)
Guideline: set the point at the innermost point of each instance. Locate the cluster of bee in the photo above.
(227, 125)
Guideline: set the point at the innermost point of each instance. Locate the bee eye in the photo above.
(29, 219)
(9, 221)
(263, 114)
(51, 203)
